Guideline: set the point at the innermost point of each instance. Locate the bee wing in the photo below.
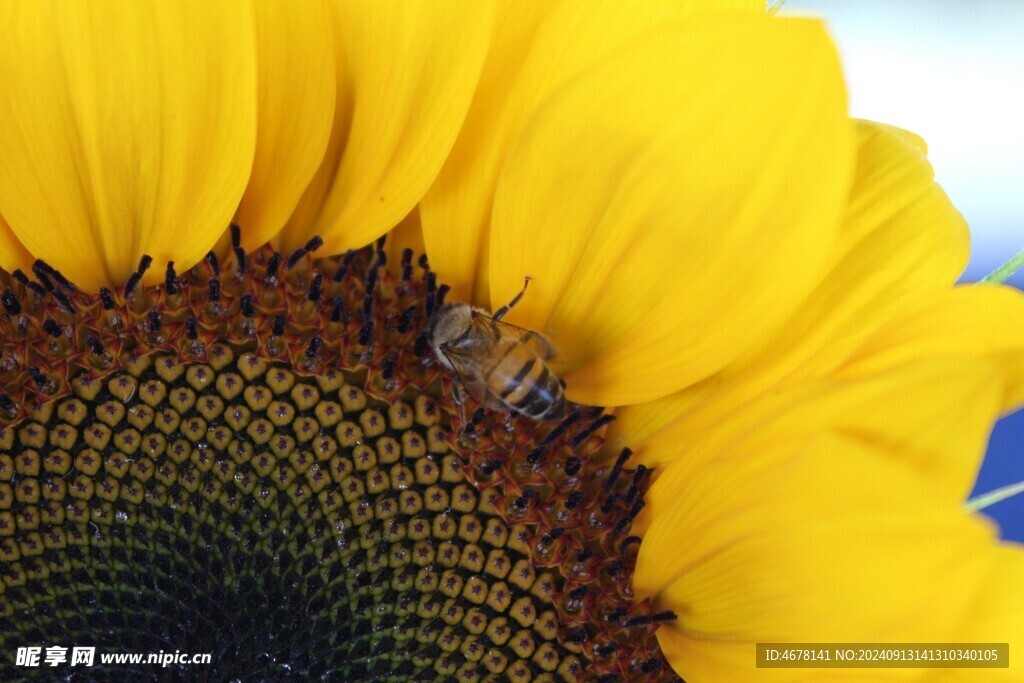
(531, 339)
(470, 372)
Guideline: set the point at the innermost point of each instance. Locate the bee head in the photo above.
(446, 324)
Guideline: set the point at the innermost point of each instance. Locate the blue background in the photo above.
(1003, 466)
(952, 71)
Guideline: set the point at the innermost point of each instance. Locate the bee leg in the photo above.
(460, 401)
(503, 311)
(467, 431)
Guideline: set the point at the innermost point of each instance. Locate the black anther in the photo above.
(11, 303)
(41, 273)
(406, 264)
(490, 467)
(294, 259)
(430, 280)
(246, 306)
(51, 327)
(106, 298)
(278, 327)
(617, 469)
(366, 333)
(236, 235)
(538, 452)
(442, 292)
(573, 466)
(171, 279)
(241, 261)
(388, 371)
(623, 524)
(616, 616)
(577, 634)
(584, 555)
(153, 319)
(213, 294)
(131, 284)
(337, 309)
(420, 347)
(639, 477)
(273, 265)
(190, 328)
(44, 267)
(314, 346)
(214, 263)
(95, 345)
(585, 434)
(651, 665)
(63, 281)
(406, 319)
(315, 287)
(639, 620)
(627, 542)
(63, 300)
(346, 261)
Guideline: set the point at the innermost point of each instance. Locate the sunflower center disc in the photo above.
(299, 506)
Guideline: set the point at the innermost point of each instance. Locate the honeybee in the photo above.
(499, 364)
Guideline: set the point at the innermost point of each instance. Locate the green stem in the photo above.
(1003, 272)
(992, 497)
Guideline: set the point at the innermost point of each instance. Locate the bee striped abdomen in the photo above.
(524, 383)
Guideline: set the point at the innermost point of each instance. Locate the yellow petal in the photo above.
(983, 321)
(529, 58)
(901, 242)
(127, 128)
(658, 201)
(295, 57)
(13, 254)
(406, 74)
(996, 616)
(814, 541)
(408, 234)
(932, 415)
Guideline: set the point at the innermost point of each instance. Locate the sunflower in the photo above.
(237, 440)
